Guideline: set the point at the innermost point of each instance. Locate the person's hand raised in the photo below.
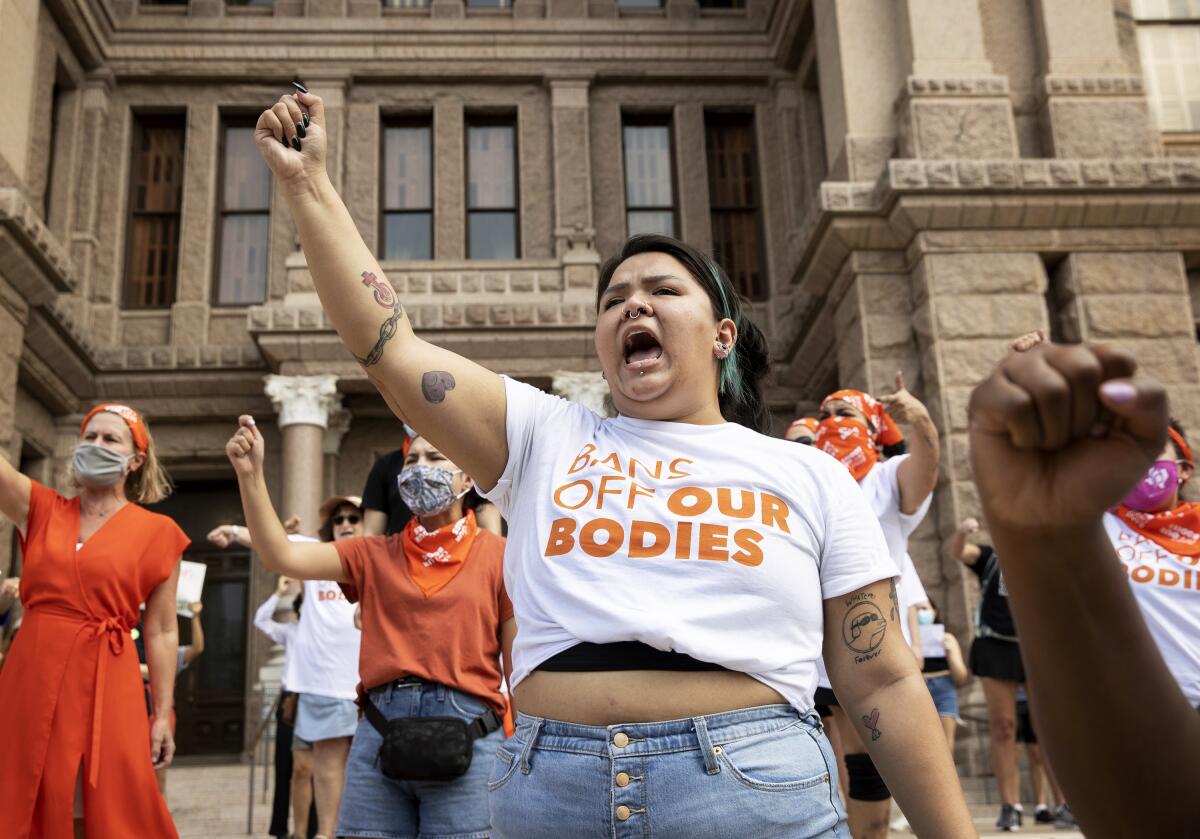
(245, 448)
(969, 526)
(1059, 434)
(291, 137)
(221, 535)
(902, 405)
(281, 587)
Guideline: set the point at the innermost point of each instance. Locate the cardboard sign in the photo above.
(191, 583)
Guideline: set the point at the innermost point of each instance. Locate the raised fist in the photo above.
(245, 448)
(1059, 434)
(291, 137)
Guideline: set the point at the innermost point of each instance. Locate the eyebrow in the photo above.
(650, 278)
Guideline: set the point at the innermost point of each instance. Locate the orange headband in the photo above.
(1179, 441)
(141, 437)
(808, 422)
(887, 433)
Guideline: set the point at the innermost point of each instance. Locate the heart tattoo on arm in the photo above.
(435, 384)
(871, 721)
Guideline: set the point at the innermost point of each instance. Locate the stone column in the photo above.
(335, 431)
(304, 405)
(695, 218)
(587, 388)
(449, 167)
(1092, 104)
(574, 228)
(953, 105)
(333, 90)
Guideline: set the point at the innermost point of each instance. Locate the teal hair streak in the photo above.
(731, 382)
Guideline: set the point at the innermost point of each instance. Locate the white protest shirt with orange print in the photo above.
(1167, 589)
(710, 540)
(323, 657)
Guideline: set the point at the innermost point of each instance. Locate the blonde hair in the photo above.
(151, 483)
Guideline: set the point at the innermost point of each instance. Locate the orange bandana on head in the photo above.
(886, 432)
(434, 559)
(810, 423)
(137, 428)
(1176, 531)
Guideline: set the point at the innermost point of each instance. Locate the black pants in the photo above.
(281, 808)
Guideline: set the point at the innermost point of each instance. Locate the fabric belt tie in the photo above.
(116, 632)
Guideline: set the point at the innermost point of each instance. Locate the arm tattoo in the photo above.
(387, 331)
(871, 721)
(384, 295)
(435, 384)
(895, 601)
(863, 627)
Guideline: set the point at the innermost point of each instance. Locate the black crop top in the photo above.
(586, 657)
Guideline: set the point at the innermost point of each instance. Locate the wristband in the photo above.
(235, 530)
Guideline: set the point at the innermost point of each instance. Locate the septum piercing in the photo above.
(635, 314)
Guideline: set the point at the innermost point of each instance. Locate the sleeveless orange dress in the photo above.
(70, 690)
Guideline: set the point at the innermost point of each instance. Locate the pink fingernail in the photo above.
(1119, 392)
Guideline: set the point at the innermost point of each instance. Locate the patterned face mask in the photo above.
(428, 490)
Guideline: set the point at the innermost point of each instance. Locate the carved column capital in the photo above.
(587, 388)
(303, 400)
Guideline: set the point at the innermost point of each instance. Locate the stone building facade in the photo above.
(897, 184)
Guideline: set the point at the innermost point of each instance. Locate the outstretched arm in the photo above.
(1058, 435)
(196, 648)
(14, 494)
(302, 560)
(958, 549)
(918, 474)
(878, 684)
(456, 404)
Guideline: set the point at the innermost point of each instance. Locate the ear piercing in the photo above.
(723, 350)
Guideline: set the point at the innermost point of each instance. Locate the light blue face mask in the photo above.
(925, 617)
(428, 490)
(98, 466)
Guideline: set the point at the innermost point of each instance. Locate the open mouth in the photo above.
(641, 348)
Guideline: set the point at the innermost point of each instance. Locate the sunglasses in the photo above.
(350, 519)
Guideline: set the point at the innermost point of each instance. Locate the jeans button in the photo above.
(620, 739)
(623, 813)
(622, 779)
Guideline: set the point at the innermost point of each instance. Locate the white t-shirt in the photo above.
(323, 657)
(736, 538)
(1167, 589)
(279, 632)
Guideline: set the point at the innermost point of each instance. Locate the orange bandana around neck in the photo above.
(434, 559)
(1176, 531)
(850, 442)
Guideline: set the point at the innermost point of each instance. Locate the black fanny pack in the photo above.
(427, 748)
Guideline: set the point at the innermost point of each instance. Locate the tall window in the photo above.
(649, 179)
(734, 201)
(1169, 41)
(492, 228)
(156, 192)
(407, 210)
(244, 225)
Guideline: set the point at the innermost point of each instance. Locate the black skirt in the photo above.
(992, 658)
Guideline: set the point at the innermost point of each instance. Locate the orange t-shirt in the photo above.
(452, 637)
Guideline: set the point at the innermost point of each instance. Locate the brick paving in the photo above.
(209, 802)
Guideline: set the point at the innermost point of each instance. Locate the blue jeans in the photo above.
(378, 807)
(760, 772)
(945, 696)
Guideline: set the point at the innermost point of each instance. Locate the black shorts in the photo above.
(824, 700)
(1025, 732)
(992, 658)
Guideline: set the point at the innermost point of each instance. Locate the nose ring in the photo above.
(635, 314)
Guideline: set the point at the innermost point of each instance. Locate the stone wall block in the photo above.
(550, 281)
(993, 273)
(955, 129)
(1101, 127)
(988, 316)
(472, 284)
(445, 283)
(1169, 360)
(495, 283)
(970, 362)
(1137, 316)
(547, 313)
(521, 281)
(523, 314)
(889, 333)
(1133, 273)
(501, 314)
(418, 284)
(452, 314)
(477, 314)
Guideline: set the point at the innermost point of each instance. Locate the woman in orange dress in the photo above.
(79, 751)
